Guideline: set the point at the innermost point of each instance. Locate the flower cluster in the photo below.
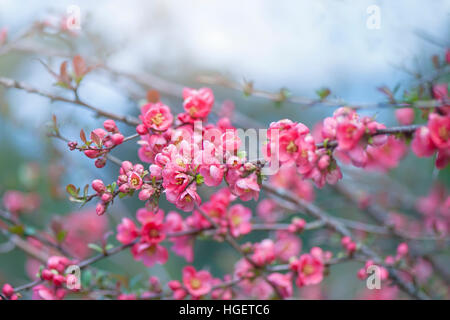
(19, 202)
(54, 275)
(435, 137)
(150, 235)
(100, 143)
(8, 292)
(296, 145)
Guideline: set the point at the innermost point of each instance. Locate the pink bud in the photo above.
(139, 168)
(117, 138)
(8, 290)
(362, 274)
(106, 197)
(91, 153)
(345, 241)
(58, 279)
(179, 294)
(141, 129)
(127, 166)
(122, 179)
(174, 284)
(125, 188)
(351, 247)
(405, 116)
(98, 186)
(47, 274)
(72, 145)
(100, 209)
(145, 194)
(110, 125)
(402, 249)
(100, 162)
(389, 260)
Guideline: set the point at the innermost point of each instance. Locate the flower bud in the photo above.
(117, 139)
(110, 125)
(98, 186)
(141, 129)
(100, 209)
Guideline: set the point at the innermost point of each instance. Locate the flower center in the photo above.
(158, 119)
(308, 269)
(195, 283)
(443, 133)
(192, 111)
(291, 147)
(236, 220)
(153, 233)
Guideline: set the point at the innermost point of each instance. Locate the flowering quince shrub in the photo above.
(184, 155)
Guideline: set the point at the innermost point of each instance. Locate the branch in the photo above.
(338, 227)
(10, 83)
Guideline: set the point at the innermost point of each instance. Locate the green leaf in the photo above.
(199, 179)
(95, 247)
(323, 93)
(61, 235)
(17, 229)
(122, 195)
(72, 190)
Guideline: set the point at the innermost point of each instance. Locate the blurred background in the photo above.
(294, 46)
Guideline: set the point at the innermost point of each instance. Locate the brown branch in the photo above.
(10, 83)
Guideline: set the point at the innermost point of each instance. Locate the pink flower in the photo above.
(156, 116)
(440, 130)
(387, 156)
(152, 232)
(239, 220)
(149, 254)
(422, 145)
(405, 116)
(402, 250)
(348, 134)
(20, 202)
(212, 173)
(58, 263)
(134, 180)
(127, 231)
(268, 210)
(198, 103)
(41, 292)
(187, 200)
(197, 283)
(287, 245)
(283, 282)
(247, 188)
(83, 227)
(264, 252)
(309, 270)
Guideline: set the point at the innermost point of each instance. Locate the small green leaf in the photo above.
(323, 93)
(17, 229)
(95, 247)
(199, 179)
(61, 235)
(72, 190)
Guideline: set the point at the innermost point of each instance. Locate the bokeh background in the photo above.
(299, 45)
